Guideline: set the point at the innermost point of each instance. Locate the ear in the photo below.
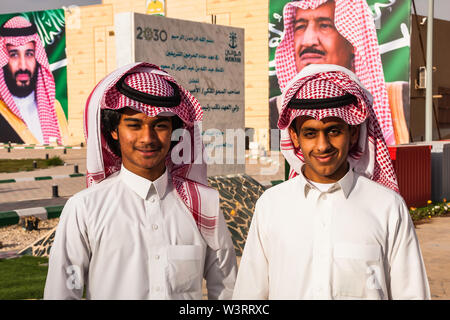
(294, 137)
(115, 135)
(354, 135)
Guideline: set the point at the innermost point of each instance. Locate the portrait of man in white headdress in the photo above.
(29, 112)
(339, 32)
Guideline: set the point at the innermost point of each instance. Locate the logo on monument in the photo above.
(232, 55)
(233, 38)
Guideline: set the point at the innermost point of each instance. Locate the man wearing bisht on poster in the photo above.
(29, 112)
(340, 32)
(338, 228)
(148, 226)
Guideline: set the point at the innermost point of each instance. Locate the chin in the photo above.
(326, 172)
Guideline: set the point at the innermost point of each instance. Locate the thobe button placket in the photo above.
(321, 260)
(155, 240)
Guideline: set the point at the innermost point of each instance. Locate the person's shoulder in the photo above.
(104, 187)
(86, 204)
(280, 191)
(377, 191)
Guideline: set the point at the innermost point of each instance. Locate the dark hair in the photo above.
(110, 120)
(293, 125)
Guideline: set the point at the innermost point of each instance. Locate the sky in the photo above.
(12, 6)
(441, 7)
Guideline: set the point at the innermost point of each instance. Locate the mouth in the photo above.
(325, 158)
(311, 57)
(23, 77)
(148, 152)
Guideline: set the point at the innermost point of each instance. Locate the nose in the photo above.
(310, 37)
(323, 144)
(147, 135)
(22, 62)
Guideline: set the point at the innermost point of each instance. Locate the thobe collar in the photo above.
(345, 184)
(143, 186)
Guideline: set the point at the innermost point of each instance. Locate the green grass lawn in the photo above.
(23, 278)
(15, 165)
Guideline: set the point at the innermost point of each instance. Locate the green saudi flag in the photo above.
(52, 32)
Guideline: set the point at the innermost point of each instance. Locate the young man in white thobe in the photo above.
(338, 229)
(148, 226)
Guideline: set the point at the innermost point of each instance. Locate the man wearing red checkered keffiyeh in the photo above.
(348, 40)
(148, 226)
(338, 229)
(29, 112)
(370, 156)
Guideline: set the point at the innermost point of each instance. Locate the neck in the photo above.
(149, 174)
(30, 96)
(320, 177)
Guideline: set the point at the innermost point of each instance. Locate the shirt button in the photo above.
(152, 199)
(157, 257)
(155, 227)
(158, 289)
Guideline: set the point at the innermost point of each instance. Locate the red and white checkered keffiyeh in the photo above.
(353, 20)
(189, 179)
(370, 156)
(45, 86)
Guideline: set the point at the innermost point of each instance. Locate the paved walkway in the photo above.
(24, 193)
(434, 238)
(434, 234)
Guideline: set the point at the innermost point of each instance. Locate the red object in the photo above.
(412, 165)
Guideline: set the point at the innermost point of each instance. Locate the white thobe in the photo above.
(28, 110)
(130, 238)
(354, 241)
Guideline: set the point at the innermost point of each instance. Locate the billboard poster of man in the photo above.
(369, 37)
(33, 78)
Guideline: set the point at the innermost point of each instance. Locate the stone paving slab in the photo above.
(17, 205)
(434, 239)
(35, 190)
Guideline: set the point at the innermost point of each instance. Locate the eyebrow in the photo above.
(132, 119)
(308, 129)
(139, 120)
(320, 19)
(334, 126)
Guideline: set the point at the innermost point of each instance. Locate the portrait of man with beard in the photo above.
(29, 112)
(339, 32)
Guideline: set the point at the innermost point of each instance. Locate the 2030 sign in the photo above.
(150, 34)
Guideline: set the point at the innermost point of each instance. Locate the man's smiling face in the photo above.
(144, 142)
(325, 145)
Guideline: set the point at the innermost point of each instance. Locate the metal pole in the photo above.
(55, 191)
(429, 81)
